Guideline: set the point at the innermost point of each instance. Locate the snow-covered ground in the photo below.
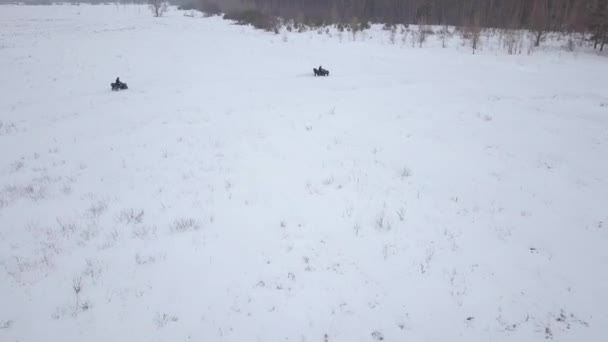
(228, 195)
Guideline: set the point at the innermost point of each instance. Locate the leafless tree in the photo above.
(423, 30)
(158, 7)
(598, 23)
(444, 34)
(513, 41)
(393, 34)
(539, 22)
(472, 31)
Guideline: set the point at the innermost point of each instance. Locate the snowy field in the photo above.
(416, 194)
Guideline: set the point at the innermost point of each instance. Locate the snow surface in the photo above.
(414, 195)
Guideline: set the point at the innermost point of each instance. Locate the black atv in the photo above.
(320, 72)
(118, 85)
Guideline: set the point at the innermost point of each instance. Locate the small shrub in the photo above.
(6, 324)
(378, 336)
(96, 209)
(163, 319)
(17, 165)
(381, 222)
(7, 128)
(129, 216)
(570, 45)
(401, 214)
(67, 228)
(405, 172)
(77, 287)
(185, 225)
(144, 232)
(93, 269)
(149, 259)
(85, 306)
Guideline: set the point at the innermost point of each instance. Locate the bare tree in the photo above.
(393, 34)
(77, 287)
(423, 31)
(444, 34)
(414, 37)
(404, 33)
(598, 23)
(354, 27)
(513, 41)
(158, 7)
(472, 31)
(539, 19)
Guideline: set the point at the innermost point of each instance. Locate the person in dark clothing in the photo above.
(118, 85)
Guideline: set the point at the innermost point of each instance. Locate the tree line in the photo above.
(538, 16)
